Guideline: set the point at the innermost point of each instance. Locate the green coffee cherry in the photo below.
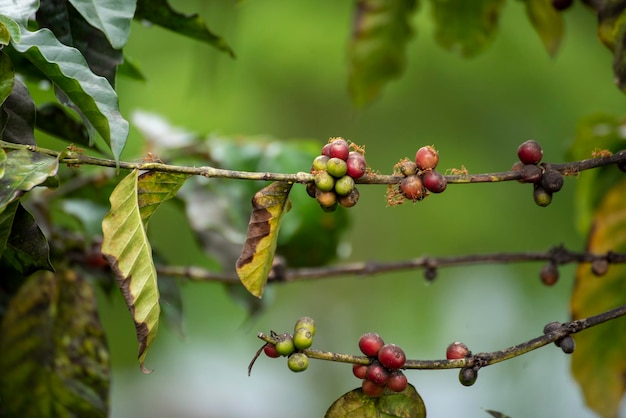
(337, 167)
(324, 181)
(285, 345)
(320, 162)
(298, 362)
(307, 323)
(344, 185)
(302, 338)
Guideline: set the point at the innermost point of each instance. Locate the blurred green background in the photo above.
(289, 81)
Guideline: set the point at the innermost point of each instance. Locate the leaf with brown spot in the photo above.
(356, 404)
(255, 262)
(125, 245)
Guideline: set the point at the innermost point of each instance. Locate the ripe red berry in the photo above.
(426, 158)
(356, 165)
(434, 181)
(370, 344)
(270, 351)
(412, 188)
(457, 350)
(372, 389)
(339, 148)
(397, 381)
(549, 274)
(530, 152)
(391, 356)
(377, 374)
(326, 150)
(359, 370)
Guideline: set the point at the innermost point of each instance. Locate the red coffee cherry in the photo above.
(426, 158)
(457, 350)
(377, 374)
(370, 344)
(356, 165)
(434, 181)
(397, 381)
(530, 152)
(339, 148)
(412, 188)
(372, 389)
(359, 370)
(549, 274)
(270, 351)
(391, 356)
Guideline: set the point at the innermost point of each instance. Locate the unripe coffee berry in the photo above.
(391, 356)
(372, 389)
(324, 181)
(397, 381)
(285, 345)
(541, 196)
(530, 152)
(337, 167)
(356, 165)
(305, 322)
(467, 376)
(302, 338)
(298, 362)
(339, 148)
(407, 168)
(344, 185)
(457, 350)
(377, 374)
(434, 181)
(426, 158)
(350, 199)
(320, 162)
(370, 344)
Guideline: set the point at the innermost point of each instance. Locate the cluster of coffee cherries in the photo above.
(566, 343)
(291, 345)
(420, 177)
(335, 171)
(545, 179)
(383, 371)
(456, 351)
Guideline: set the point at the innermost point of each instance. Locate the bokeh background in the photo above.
(289, 82)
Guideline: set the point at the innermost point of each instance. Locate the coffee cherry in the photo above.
(407, 168)
(434, 181)
(285, 346)
(391, 356)
(562, 4)
(320, 162)
(350, 199)
(622, 166)
(397, 381)
(310, 189)
(542, 196)
(370, 344)
(359, 370)
(531, 174)
(298, 362)
(426, 158)
(337, 167)
(356, 165)
(270, 350)
(412, 188)
(302, 338)
(549, 274)
(372, 389)
(551, 326)
(552, 181)
(457, 350)
(530, 152)
(467, 376)
(568, 345)
(326, 200)
(324, 181)
(377, 374)
(307, 323)
(344, 185)
(600, 267)
(338, 148)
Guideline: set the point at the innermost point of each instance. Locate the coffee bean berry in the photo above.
(457, 350)
(426, 158)
(391, 356)
(270, 350)
(298, 362)
(370, 344)
(338, 148)
(412, 188)
(305, 322)
(311, 188)
(302, 338)
(350, 199)
(344, 185)
(434, 181)
(552, 181)
(372, 389)
(531, 174)
(407, 168)
(530, 152)
(359, 370)
(468, 376)
(549, 274)
(324, 181)
(541, 196)
(285, 345)
(377, 373)
(327, 200)
(568, 345)
(397, 381)
(599, 267)
(551, 326)
(337, 167)
(319, 163)
(357, 165)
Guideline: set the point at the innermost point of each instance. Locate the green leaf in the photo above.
(466, 27)
(356, 404)
(25, 250)
(7, 77)
(19, 110)
(11, 27)
(548, 23)
(377, 48)
(54, 120)
(112, 17)
(598, 364)
(20, 10)
(595, 133)
(67, 68)
(5, 35)
(126, 247)
(23, 171)
(55, 360)
(612, 32)
(496, 414)
(130, 69)
(268, 207)
(161, 13)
